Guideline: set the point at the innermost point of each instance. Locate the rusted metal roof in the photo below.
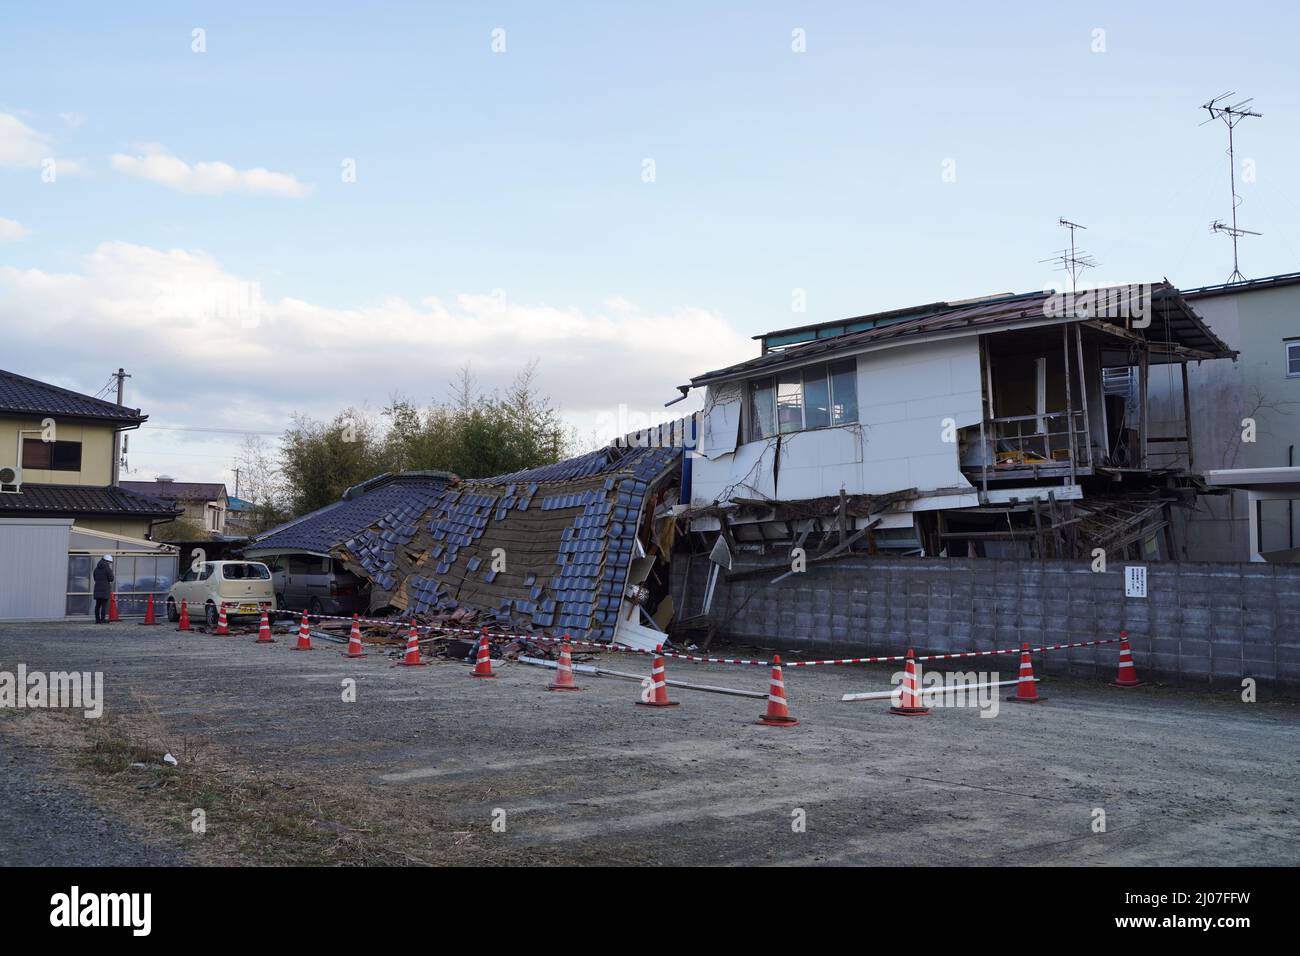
(1172, 320)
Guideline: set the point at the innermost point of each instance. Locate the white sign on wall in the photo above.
(1135, 581)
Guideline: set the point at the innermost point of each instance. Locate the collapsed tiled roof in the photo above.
(77, 500)
(323, 530)
(22, 395)
(178, 490)
(565, 533)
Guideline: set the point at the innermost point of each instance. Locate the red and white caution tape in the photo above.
(434, 629)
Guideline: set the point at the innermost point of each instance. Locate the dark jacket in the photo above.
(103, 580)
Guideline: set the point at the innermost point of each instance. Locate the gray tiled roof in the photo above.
(178, 490)
(326, 528)
(22, 395)
(76, 500)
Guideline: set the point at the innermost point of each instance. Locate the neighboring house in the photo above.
(240, 517)
(1260, 320)
(60, 509)
(984, 427)
(205, 504)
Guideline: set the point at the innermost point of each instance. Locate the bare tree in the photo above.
(1253, 402)
(260, 483)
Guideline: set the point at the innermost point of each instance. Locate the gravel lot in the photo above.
(43, 822)
(1183, 778)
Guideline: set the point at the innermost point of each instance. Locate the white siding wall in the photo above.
(33, 568)
(904, 395)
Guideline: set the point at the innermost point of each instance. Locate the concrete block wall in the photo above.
(1201, 624)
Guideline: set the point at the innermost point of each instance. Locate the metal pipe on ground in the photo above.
(622, 675)
(930, 691)
(321, 635)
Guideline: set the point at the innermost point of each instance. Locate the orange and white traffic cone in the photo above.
(183, 621)
(355, 648)
(264, 631)
(223, 627)
(483, 665)
(412, 656)
(1027, 685)
(657, 692)
(564, 671)
(304, 635)
(778, 711)
(112, 608)
(910, 705)
(1127, 676)
(149, 617)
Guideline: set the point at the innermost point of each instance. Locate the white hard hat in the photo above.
(108, 558)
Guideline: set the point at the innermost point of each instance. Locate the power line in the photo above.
(214, 431)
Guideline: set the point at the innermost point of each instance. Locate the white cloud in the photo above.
(24, 147)
(11, 231)
(73, 120)
(20, 145)
(157, 164)
(206, 347)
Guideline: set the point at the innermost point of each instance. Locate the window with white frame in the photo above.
(814, 396)
(1293, 359)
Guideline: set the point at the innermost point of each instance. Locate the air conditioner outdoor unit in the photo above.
(11, 479)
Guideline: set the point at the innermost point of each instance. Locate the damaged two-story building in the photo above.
(1006, 426)
(942, 478)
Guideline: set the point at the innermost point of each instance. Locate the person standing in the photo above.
(104, 579)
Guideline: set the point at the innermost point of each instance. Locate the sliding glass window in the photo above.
(815, 396)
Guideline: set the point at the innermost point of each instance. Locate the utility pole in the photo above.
(236, 471)
(121, 377)
(1231, 116)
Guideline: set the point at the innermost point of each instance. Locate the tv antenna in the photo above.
(1073, 261)
(1231, 115)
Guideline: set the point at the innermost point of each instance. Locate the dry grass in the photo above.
(257, 815)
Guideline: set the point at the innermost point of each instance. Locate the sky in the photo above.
(267, 210)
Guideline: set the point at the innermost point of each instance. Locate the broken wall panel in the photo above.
(904, 397)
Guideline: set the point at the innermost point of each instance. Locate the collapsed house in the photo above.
(1010, 426)
(1007, 426)
(321, 531)
(578, 547)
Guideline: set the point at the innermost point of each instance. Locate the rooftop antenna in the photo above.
(1231, 115)
(1072, 260)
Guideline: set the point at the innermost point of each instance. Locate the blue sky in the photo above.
(522, 172)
